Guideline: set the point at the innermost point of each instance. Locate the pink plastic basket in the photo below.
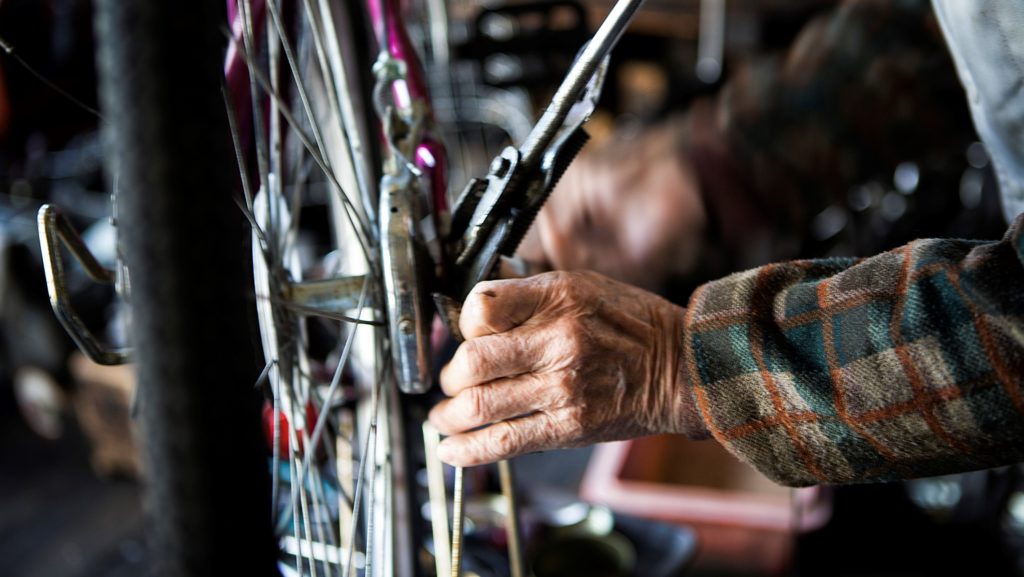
(744, 521)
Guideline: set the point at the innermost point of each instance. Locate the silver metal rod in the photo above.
(55, 229)
(508, 489)
(338, 295)
(438, 501)
(458, 516)
(576, 80)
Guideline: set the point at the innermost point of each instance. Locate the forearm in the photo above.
(902, 365)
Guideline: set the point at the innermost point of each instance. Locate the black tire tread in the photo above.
(185, 242)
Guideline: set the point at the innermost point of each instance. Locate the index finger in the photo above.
(490, 357)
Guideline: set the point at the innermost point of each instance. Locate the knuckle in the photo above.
(575, 418)
(475, 406)
(565, 328)
(505, 440)
(565, 428)
(560, 277)
(473, 359)
(555, 431)
(565, 283)
(567, 388)
(573, 336)
(543, 388)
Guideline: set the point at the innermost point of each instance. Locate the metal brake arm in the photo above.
(54, 229)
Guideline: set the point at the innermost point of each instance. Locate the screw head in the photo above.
(406, 326)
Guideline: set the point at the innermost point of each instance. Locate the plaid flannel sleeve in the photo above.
(907, 364)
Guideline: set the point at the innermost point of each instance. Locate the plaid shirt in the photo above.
(906, 364)
(910, 363)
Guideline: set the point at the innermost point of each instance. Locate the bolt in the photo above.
(405, 325)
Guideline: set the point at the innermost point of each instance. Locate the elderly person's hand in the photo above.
(562, 360)
(630, 210)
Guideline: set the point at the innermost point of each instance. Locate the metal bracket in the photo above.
(54, 229)
(409, 317)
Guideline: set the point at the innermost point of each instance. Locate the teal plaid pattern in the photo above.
(906, 364)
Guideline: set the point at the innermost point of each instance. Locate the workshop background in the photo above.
(69, 468)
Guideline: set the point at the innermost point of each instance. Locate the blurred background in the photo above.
(848, 134)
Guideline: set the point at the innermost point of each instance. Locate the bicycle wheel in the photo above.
(335, 428)
(293, 255)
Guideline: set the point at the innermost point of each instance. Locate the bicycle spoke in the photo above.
(343, 466)
(314, 492)
(291, 236)
(370, 497)
(336, 379)
(292, 61)
(304, 508)
(317, 312)
(257, 230)
(236, 142)
(302, 93)
(277, 173)
(275, 461)
(323, 519)
(262, 160)
(368, 446)
(360, 227)
(328, 38)
(294, 490)
(297, 77)
(298, 480)
(243, 172)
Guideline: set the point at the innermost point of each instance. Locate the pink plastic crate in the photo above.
(744, 521)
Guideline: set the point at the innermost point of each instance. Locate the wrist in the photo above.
(685, 418)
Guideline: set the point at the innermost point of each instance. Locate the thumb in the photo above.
(500, 305)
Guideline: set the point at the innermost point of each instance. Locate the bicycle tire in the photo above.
(160, 65)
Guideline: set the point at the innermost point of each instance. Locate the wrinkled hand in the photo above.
(562, 360)
(630, 210)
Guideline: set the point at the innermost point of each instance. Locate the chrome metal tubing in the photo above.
(536, 144)
(54, 229)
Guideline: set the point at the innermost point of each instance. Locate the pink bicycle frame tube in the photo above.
(430, 155)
